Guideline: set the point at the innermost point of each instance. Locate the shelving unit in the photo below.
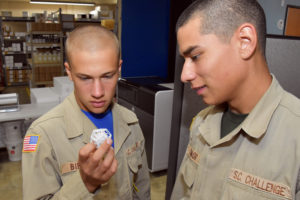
(32, 51)
(46, 52)
(2, 72)
(15, 69)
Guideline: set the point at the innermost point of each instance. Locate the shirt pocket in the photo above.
(189, 170)
(237, 191)
(134, 156)
(134, 161)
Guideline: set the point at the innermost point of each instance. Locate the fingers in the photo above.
(85, 152)
(107, 161)
(91, 158)
(111, 171)
(102, 150)
(97, 166)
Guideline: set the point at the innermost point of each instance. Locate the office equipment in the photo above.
(151, 100)
(13, 139)
(9, 102)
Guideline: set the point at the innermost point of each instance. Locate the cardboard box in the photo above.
(67, 17)
(43, 95)
(62, 85)
(108, 23)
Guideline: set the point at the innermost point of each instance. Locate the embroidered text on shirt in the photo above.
(192, 154)
(69, 167)
(261, 184)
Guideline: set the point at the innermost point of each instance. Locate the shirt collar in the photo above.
(255, 124)
(77, 123)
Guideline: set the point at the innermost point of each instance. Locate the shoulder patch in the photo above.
(30, 143)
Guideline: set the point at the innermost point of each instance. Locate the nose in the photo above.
(97, 89)
(188, 72)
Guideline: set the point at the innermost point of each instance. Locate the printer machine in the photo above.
(151, 99)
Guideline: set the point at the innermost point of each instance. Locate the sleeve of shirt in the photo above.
(42, 177)
(298, 186)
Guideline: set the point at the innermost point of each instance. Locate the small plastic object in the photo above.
(99, 136)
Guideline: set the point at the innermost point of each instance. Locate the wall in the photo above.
(145, 36)
(275, 13)
(18, 7)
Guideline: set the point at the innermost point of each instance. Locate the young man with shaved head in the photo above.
(246, 144)
(64, 164)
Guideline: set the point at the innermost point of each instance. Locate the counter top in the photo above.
(27, 111)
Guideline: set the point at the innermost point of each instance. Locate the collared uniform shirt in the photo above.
(51, 171)
(258, 160)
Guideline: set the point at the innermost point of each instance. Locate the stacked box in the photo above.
(16, 47)
(17, 76)
(18, 65)
(108, 23)
(10, 76)
(63, 86)
(46, 73)
(67, 22)
(43, 95)
(9, 61)
(52, 27)
(22, 75)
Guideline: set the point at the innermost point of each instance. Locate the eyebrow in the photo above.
(189, 50)
(104, 74)
(80, 74)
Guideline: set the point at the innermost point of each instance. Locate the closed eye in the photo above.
(108, 76)
(194, 58)
(83, 78)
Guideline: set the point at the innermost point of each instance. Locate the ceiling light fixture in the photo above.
(62, 3)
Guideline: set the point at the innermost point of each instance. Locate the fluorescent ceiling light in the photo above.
(62, 3)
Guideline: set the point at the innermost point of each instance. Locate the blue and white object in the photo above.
(99, 136)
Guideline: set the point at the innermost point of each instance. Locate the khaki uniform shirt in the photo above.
(258, 160)
(51, 172)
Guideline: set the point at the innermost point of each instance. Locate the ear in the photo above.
(68, 70)
(247, 40)
(120, 66)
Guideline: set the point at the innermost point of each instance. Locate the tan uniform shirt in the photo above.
(258, 160)
(51, 171)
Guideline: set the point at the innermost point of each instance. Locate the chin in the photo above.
(98, 110)
(209, 101)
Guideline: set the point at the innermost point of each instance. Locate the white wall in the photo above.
(275, 13)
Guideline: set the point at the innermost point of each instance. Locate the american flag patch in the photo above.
(30, 143)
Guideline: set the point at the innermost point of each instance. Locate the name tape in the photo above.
(261, 184)
(134, 148)
(192, 154)
(69, 167)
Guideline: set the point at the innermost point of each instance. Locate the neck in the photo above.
(255, 85)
